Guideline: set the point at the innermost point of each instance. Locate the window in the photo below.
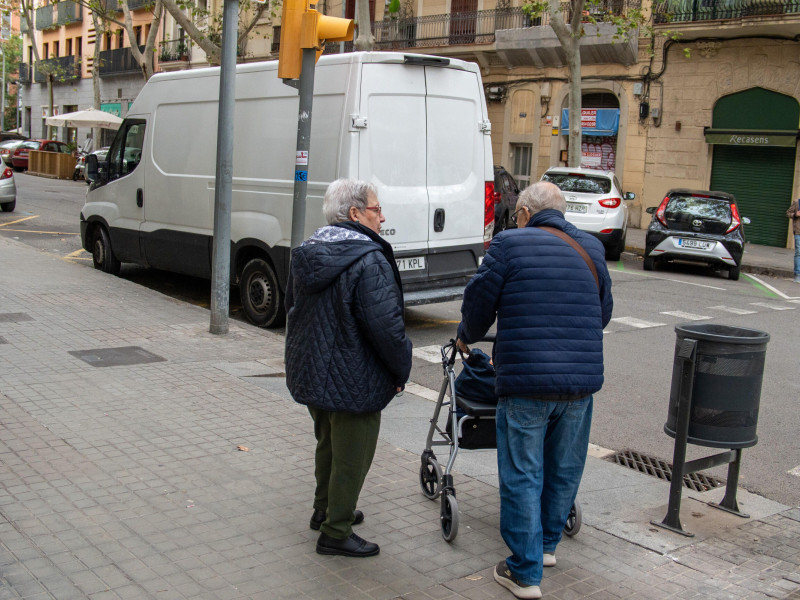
(78, 46)
(45, 50)
(118, 34)
(55, 49)
(137, 34)
(69, 48)
(126, 150)
(107, 44)
(575, 182)
(522, 164)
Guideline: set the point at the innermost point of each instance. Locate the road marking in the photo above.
(422, 391)
(651, 276)
(769, 287)
(795, 471)
(638, 323)
(46, 232)
(773, 306)
(684, 315)
(19, 220)
(734, 310)
(432, 354)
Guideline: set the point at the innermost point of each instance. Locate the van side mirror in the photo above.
(630, 196)
(91, 167)
(650, 210)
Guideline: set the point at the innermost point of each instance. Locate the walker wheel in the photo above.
(430, 478)
(574, 520)
(449, 517)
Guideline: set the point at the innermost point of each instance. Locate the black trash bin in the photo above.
(729, 367)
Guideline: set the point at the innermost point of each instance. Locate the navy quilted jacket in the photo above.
(346, 346)
(550, 316)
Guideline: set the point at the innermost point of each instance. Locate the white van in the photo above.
(416, 126)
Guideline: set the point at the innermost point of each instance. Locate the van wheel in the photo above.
(9, 206)
(262, 299)
(102, 254)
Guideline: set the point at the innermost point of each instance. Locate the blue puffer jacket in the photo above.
(346, 347)
(550, 316)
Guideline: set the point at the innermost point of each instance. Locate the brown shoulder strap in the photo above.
(578, 248)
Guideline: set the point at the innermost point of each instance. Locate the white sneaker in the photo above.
(549, 560)
(504, 576)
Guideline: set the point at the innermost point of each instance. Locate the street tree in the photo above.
(568, 20)
(365, 40)
(12, 51)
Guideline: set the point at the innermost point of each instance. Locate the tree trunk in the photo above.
(145, 61)
(365, 40)
(213, 52)
(50, 128)
(99, 28)
(570, 39)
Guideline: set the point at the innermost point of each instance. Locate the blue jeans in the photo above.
(541, 451)
(796, 256)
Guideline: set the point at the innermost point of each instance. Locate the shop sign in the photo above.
(115, 108)
(602, 122)
(745, 138)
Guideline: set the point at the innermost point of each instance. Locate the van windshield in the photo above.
(577, 182)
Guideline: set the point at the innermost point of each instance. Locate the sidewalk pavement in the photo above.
(760, 260)
(177, 467)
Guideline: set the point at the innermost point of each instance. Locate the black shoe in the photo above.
(351, 546)
(319, 517)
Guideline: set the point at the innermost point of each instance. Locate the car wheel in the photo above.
(649, 263)
(262, 299)
(733, 273)
(102, 255)
(615, 253)
(9, 206)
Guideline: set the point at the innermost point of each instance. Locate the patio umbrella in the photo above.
(91, 117)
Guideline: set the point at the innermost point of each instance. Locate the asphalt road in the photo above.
(630, 410)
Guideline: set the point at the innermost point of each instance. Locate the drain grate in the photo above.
(656, 467)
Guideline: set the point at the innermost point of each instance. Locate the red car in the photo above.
(19, 159)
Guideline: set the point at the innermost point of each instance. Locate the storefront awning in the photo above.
(603, 122)
(751, 137)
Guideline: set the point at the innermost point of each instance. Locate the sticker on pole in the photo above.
(301, 175)
(301, 157)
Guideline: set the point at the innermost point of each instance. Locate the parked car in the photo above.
(12, 135)
(7, 149)
(595, 204)
(506, 192)
(8, 189)
(80, 165)
(696, 226)
(19, 158)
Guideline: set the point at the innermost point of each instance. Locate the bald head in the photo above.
(540, 196)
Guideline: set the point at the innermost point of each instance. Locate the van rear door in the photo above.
(392, 152)
(420, 142)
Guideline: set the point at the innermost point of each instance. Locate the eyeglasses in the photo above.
(377, 209)
(514, 216)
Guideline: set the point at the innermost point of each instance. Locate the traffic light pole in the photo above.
(306, 88)
(223, 184)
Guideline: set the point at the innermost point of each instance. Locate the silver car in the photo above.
(8, 189)
(595, 204)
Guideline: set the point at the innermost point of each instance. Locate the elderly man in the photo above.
(547, 285)
(347, 354)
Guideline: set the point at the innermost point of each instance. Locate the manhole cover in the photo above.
(14, 317)
(116, 357)
(663, 470)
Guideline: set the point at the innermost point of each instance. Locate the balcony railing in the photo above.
(63, 69)
(58, 14)
(172, 50)
(671, 11)
(119, 61)
(476, 27)
(24, 73)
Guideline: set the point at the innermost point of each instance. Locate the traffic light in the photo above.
(303, 27)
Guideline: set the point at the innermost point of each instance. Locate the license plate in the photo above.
(413, 263)
(576, 207)
(698, 244)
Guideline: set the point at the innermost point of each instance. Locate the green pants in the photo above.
(345, 447)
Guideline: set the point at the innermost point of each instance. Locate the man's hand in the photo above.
(462, 347)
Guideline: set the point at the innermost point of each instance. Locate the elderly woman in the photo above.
(347, 353)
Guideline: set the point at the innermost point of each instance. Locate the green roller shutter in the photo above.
(761, 180)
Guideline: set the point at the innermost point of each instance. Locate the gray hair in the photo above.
(343, 194)
(541, 196)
